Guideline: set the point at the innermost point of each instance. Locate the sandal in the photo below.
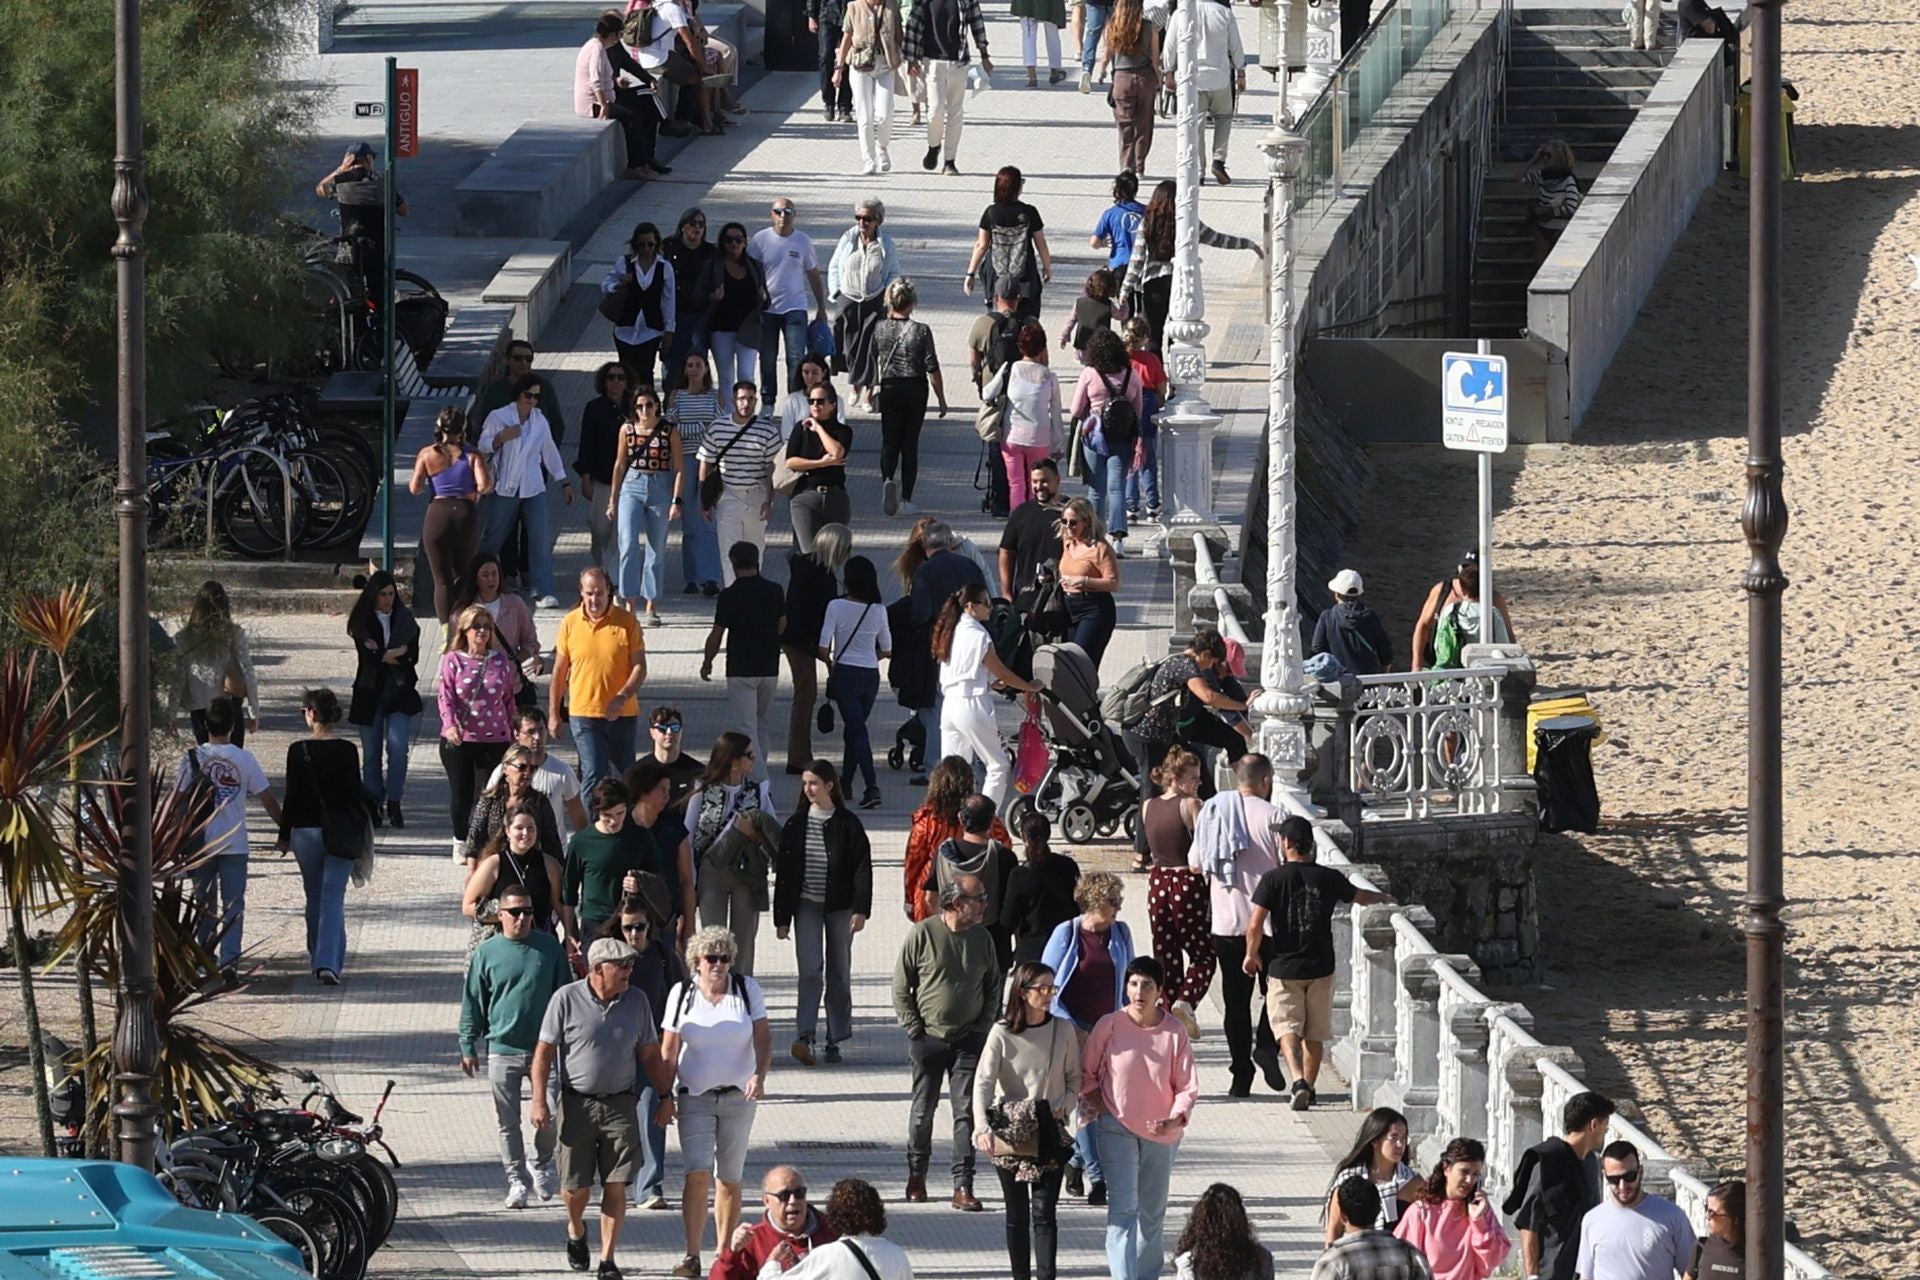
(1142, 863)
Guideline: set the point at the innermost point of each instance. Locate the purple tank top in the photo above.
(456, 481)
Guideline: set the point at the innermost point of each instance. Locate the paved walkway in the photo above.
(395, 1015)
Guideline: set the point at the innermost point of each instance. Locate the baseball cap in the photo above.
(610, 951)
(1471, 556)
(360, 149)
(1346, 583)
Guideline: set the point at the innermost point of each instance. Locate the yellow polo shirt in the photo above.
(602, 655)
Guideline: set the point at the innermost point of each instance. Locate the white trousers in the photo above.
(1643, 22)
(750, 711)
(946, 107)
(873, 112)
(1027, 27)
(967, 730)
(737, 518)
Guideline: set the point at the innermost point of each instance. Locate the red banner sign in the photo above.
(406, 108)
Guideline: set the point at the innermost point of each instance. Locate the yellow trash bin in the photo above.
(1559, 702)
(1743, 103)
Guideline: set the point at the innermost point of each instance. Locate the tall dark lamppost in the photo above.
(1763, 519)
(136, 1037)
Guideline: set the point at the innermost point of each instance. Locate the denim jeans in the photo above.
(823, 951)
(774, 325)
(855, 690)
(506, 1073)
(225, 875)
(1107, 478)
(1143, 486)
(653, 1151)
(1096, 26)
(699, 539)
(934, 1059)
(395, 732)
(498, 514)
(733, 360)
(1137, 1175)
(645, 498)
(325, 878)
(605, 747)
(689, 336)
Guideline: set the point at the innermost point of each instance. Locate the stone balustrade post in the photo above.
(1507, 1025)
(1417, 1030)
(1463, 1057)
(1330, 755)
(1527, 1120)
(1517, 791)
(1376, 987)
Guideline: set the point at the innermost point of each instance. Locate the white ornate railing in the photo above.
(1413, 1031)
(1423, 743)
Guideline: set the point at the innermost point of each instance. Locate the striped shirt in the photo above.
(749, 451)
(692, 411)
(813, 882)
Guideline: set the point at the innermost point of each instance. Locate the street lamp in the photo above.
(1281, 706)
(136, 1036)
(1189, 422)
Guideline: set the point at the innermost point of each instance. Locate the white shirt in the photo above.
(852, 642)
(716, 1037)
(835, 1261)
(521, 465)
(964, 674)
(787, 260)
(628, 267)
(669, 19)
(234, 774)
(553, 778)
(1220, 53)
(1230, 908)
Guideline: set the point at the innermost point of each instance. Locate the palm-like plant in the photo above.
(39, 748)
(54, 622)
(199, 1072)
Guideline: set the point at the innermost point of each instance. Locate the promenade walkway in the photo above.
(394, 1017)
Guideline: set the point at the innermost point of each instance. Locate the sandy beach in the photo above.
(1622, 555)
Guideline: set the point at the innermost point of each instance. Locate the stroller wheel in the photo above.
(1017, 814)
(1132, 824)
(895, 756)
(1108, 827)
(1079, 824)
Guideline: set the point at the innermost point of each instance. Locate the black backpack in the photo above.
(1003, 344)
(1119, 420)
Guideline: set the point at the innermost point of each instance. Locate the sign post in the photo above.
(387, 423)
(1473, 417)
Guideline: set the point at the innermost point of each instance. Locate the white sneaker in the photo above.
(546, 1180)
(516, 1194)
(1086, 82)
(908, 509)
(886, 163)
(460, 851)
(548, 602)
(1119, 542)
(868, 169)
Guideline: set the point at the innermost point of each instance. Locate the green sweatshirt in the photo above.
(508, 986)
(597, 863)
(946, 984)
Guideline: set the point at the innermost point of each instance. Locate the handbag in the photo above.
(344, 833)
(785, 479)
(713, 484)
(990, 423)
(1031, 759)
(622, 306)
(681, 68)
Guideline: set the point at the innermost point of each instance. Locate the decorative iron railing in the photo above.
(1425, 743)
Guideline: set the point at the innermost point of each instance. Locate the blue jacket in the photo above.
(1063, 954)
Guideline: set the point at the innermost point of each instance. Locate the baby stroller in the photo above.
(1092, 785)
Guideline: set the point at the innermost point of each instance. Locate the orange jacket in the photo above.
(924, 839)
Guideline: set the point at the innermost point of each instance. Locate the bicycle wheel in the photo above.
(250, 509)
(360, 491)
(324, 489)
(290, 1228)
(386, 1192)
(197, 1189)
(336, 1224)
(349, 1179)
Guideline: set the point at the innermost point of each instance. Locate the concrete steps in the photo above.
(1571, 77)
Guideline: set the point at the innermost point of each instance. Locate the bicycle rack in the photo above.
(286, 495)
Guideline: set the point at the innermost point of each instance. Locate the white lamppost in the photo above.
(1188, 424)
(1282, 706)
(1323, 53)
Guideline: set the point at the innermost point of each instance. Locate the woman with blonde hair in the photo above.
(1179, 911)
(1132, 46)
(716, 1040)
(216, 662)
(1089, 575)
(905, 365)
(450, 532)
(1089, 955)
(513, 793)
(476, 684)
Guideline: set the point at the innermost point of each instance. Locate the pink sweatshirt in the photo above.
(1457, 1247)
(1142, 1074)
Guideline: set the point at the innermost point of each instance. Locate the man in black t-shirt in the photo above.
(1555, 1183)
(1298, 897)
(668, 729)
(751, 615)
(1032, 535)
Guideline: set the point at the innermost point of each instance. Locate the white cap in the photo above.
(1346, 583)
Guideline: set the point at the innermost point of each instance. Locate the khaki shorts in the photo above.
(1301, 1007)
(599, 1140)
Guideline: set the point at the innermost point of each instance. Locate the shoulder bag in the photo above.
(866, 1263)
(713, 484)
(343, 832)
(622, 306)
(785, 479)
(834, 670)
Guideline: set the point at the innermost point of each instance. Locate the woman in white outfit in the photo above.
(872, 46)
(968, 670)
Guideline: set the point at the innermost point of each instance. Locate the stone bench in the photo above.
(532, 284)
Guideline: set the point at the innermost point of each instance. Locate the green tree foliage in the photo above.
(221, 126)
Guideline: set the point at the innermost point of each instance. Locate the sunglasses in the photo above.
(783, 213)
(635, 928)
(818, 400)
(519, 766)
(785, 1194)
(616, 377)
(646, 402)
(516, 912)
(717, 961)
(733, 239)
(667, 726)
(1617, 1179)
(646, 244)
(1042, 986)
(864, 217)
(533, 396)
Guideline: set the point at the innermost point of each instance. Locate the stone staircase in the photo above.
(1570, 76)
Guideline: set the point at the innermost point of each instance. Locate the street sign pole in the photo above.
(386, 345)
(1485, 348)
